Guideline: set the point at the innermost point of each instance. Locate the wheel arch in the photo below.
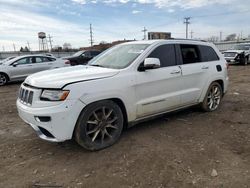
(118, 101)
(8, 78)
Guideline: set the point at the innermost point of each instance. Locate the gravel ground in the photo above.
(183, 149)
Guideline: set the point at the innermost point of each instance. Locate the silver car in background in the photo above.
(19, 68)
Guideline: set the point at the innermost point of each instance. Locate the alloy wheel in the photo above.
(102, 125)
(214, 98)
(3, 79)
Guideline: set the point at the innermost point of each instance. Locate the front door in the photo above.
(158, 90)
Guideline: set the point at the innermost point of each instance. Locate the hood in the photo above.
(69, 57)
(58, 78)
(234, 51)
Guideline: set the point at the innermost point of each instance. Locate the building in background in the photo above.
(159, 35)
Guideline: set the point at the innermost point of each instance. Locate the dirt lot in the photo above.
(179, 150)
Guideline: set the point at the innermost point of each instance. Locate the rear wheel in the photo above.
(99, 125)
(3, 79)
(213, 98)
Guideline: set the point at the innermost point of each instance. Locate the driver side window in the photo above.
(166, 54)
(23, 61)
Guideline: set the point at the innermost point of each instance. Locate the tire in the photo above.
(99, 125)
(3, 79)
(213, 98)
(246, 61)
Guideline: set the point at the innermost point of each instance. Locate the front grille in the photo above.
(229, 54)
(26, 96)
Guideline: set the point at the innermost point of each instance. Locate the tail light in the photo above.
(67, 62)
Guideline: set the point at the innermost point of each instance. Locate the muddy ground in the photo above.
(184, 149)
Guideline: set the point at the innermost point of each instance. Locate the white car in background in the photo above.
(7, 59)
(124, 85)
(19, 68)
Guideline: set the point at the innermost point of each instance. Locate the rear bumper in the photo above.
(60, 124)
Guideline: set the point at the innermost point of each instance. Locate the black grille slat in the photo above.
(26, 96)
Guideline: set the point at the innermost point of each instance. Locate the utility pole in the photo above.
(187, 22)
(50, 42)
(28, 45)
(220, 36)
(3, 49)
(91, 35)
(145, 33)
(14, 46)
(191, 34)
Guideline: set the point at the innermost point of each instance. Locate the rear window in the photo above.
(208, 54)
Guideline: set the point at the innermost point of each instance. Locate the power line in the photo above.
(187, 22)
(145, 33)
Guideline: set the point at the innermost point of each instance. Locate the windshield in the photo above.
(242, 47)
(119, 57)
(78, 53)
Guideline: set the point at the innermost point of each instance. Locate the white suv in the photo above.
(126, 84)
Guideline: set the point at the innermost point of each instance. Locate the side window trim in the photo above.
(178, 55)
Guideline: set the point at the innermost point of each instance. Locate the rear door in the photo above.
(40, 63)
(195, 73)
(158, 90)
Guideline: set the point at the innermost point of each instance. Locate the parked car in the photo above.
(240, 54)
(82, 57)
(7, 59)
(126, 84)
(19, 68)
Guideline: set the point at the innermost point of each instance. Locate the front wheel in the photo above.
(246, 61)
(99, 125)
(3, 79)
(213, 98)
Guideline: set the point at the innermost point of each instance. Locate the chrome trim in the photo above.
(41, 135)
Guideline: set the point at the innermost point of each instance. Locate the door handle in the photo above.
(205, 67)
(176, 72)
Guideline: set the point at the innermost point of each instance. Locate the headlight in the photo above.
(54, 95)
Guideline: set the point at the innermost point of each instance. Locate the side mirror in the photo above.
(15, 64)
(152, 63)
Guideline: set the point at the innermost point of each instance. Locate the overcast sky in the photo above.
(68, 20)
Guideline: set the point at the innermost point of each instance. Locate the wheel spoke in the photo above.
(96, 117)
(96, 134)
(92, 131)
(106, 132)
(211, 105)
(111, 126)
(110, 112)
(92, 122)
(103, 113)
(113, 120)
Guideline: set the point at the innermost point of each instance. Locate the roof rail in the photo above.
(189, 39)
